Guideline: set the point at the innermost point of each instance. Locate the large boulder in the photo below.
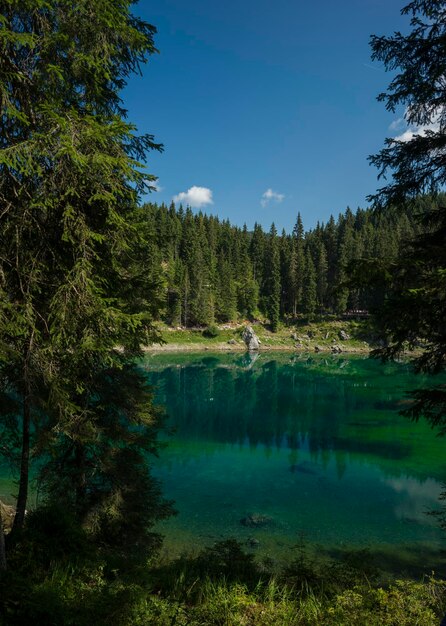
(251, 339)
(7, 515)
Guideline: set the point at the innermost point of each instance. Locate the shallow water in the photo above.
(314, 444)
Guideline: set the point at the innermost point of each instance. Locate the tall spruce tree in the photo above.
(321, 275)
(298, 264)
(226, 292)
(415, 310)
(344, 255)
(247, 287)
(309, 294)
(272, 287)
(73, 308)
(286, 274)
(257, 252)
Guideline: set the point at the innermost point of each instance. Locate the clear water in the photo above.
(316, 444)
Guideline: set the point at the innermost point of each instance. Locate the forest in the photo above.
(215, 272)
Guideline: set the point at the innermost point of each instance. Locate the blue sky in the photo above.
(259, 97)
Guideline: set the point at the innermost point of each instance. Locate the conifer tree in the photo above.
(257, 252)
(298, 264)
(345, 254)
(309, 295)
(70, 291)
(226, 293)
(331, 246)
(321, 275)
(286, 274)
(247, 287)
(272, 287)
(175, 272)
(415, 308)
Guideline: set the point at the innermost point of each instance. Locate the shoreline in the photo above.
(326, 337)
(225, 347)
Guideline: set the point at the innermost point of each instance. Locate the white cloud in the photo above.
(154, 184)
(418, 130)
(413, 129)
(397, 124)
(195, 197)
(271, 196)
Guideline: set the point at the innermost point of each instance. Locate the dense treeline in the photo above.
(216, 272)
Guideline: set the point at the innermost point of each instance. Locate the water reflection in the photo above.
(416, 498)
(316, 444)
(325, 405)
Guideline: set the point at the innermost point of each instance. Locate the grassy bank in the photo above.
(221, 586)
(323, 336)
(402, 604)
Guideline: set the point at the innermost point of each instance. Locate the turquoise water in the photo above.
(314, 444)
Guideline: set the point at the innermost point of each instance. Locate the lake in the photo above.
(313, 447)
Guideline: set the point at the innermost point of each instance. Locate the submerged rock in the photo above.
(253, 543)
(256, 520)
(250, 338)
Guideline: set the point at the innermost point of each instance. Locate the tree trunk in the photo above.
(81, 479)
(2, 543)
(22, 497)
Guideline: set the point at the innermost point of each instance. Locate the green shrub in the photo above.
(227, 560)
(211, 331)
(405, 603)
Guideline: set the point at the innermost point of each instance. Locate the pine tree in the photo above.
(257, 252)
(70, 290)
(298, 264)
(309, 296)
(272, 287)
(226, 293)
(345, 255)
(321, 276)
(247, 287)
(175, 271)
(330, 240)
(415, 308)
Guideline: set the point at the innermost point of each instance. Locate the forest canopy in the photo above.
(215, 272)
